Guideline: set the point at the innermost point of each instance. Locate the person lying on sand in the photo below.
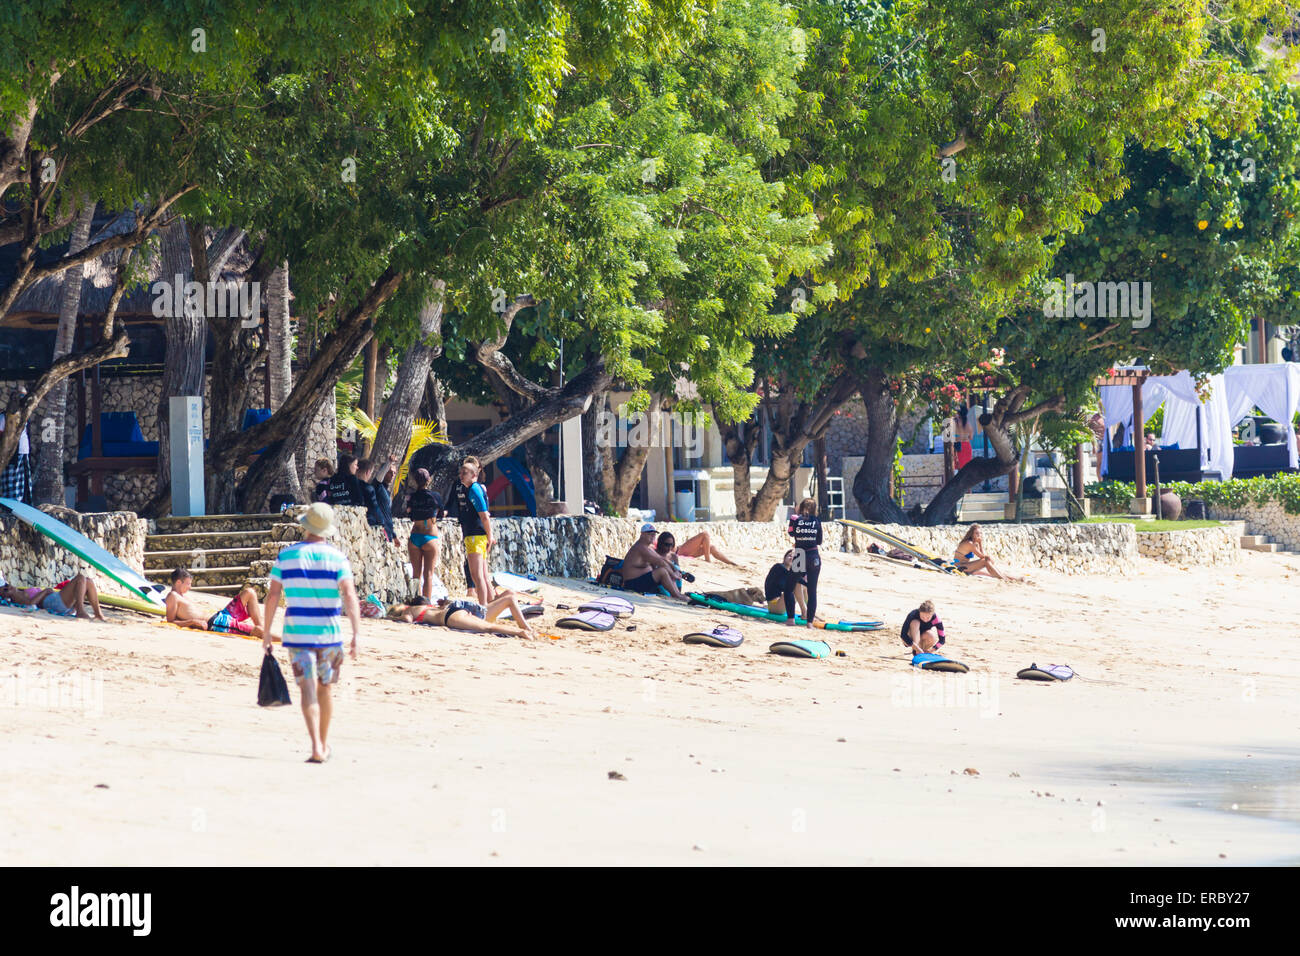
(243, 615)
(466, 615)
(923, 631)
(68, 600)
(701, 546)
(645, 570)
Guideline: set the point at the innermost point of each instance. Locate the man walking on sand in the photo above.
(316, 581)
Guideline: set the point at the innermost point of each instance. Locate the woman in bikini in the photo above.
(425, 546)
(67, 601)
(466, 615)
(701, 546)
(970, 556)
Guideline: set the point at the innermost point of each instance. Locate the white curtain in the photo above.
(1274, 389)
(1183, 409)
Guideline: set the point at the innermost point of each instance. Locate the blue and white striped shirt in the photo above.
(310, 573)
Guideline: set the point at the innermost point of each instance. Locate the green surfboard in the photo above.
(84, 548)
(748, 610)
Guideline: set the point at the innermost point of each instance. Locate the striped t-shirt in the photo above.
(310, 573)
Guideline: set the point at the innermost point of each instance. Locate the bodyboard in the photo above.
(617, 606)
(1043, 672)
(78, 544)
(720, 636)
(587, 621)
(937, 662)
(801, 649)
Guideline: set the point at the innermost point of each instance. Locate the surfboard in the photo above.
(515, 582)
(130, 604)
(801, 649)
(880, 535)
(937, 662)
(619, 607)
(749, 610)
(78, 544)
(720, 636)
(1046, 672)
(587, 621)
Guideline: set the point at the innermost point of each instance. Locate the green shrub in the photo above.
(1234, 493)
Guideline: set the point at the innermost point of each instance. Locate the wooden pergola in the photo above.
(1134, 378)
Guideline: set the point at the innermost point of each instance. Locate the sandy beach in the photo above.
(1178, 748)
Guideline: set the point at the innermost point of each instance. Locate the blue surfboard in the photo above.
(937, 662)
(78, 544)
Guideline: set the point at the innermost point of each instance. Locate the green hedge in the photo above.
(1234, 493)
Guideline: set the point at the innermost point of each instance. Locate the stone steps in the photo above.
(978, 506)
(204, 577)
(198, 558)
(216, 523)
(206, 540)
(1259, 542)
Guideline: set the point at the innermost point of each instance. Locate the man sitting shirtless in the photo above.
(644, 569)
(243, 615)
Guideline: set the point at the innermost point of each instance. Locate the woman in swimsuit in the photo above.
(425, 546)
(962, 433)
(67, 601)
(970, 556)
(701, 546)
(466, 616)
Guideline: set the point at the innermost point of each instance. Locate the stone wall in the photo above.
(1268, 519)
(1196, 546)
(29, 559)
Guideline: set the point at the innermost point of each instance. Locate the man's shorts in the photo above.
(316, 663)
(476, 544)
(643, 584)
(232, 619)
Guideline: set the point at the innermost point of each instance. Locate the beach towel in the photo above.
(272, 691)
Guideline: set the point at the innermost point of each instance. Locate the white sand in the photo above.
(451, 748)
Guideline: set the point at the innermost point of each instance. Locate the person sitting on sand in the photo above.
(466, 616)
(243, 615)
(970, 557)
(701, 546)
(666, 548)
(68, 600)
(923, 631)
(778, 583)
(645, 570)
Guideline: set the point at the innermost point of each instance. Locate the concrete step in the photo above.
(1249, 540)
(1269, 548)
(205, 577)
(206, 540)
(208, 523)
(200, 558)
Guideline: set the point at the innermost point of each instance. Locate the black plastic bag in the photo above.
(272, 691)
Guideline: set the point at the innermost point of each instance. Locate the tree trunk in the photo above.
(871, 486)
(280, 366)
(598, 454)
(797, 424)
(48, 486)
(823, 492)
(185, 329)
(557, 406)
(625, 474)
(314, 387)
(394, 434)
(369, 372)
(740, 452)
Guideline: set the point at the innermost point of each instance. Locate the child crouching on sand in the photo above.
(923, 631)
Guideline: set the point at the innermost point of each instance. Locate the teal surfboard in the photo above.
(749, 610)
(84, 548)
(801, 649)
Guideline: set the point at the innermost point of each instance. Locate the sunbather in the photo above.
(466, 616)
(970, 556)
(645, 570)
(68, 600)
(243, 615)
(701, 546)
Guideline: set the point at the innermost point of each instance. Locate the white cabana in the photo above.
(1183, 412)
(1274, 389)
